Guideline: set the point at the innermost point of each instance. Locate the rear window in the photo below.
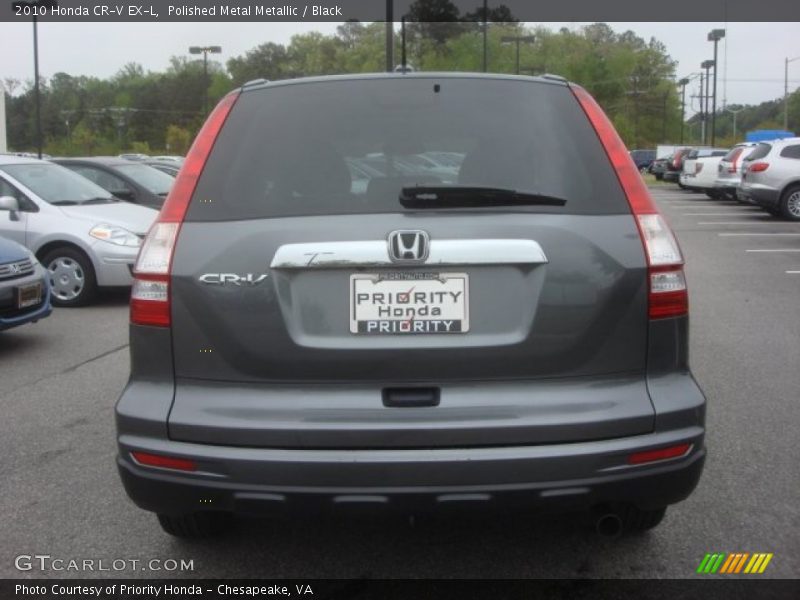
(760, 151)
(349, 146)
(791, 151)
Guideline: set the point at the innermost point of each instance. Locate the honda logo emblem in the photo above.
(409, 246)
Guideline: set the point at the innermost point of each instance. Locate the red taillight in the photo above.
(648, 456)
(164, 462)
(736, 154)
(757, 167)
(150, 295)
(667, 293)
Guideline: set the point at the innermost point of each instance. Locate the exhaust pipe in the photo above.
(608, 525)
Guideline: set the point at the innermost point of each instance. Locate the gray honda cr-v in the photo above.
(514, 334)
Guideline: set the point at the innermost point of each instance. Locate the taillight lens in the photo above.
(735, 160)
(757, 167)
(667, 292)
(150, 294)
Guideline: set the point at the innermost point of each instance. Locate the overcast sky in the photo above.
(752, 55)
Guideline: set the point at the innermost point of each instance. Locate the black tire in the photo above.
(636, 520)
(197, 525)
(713, 194)
(72, 278)
(790, 203)
(659, 176)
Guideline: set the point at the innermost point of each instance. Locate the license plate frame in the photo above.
(29, 295)
(448, 292)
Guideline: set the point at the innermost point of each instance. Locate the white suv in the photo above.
(772, 177)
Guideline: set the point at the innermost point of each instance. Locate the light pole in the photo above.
(683, 83)
(734, 113)
(389, 36)
(516, 39)
(706, 64)
(715, 35)
(485, 32)
(205, 51)
(786, 62)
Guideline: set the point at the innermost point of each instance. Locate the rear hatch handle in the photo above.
(375, 253)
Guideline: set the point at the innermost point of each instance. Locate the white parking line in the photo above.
(793, 272)
(754, 234)
(773, 250)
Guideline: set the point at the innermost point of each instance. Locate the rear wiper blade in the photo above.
(101, 200)
(468, 197)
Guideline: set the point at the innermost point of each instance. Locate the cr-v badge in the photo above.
(225, 278)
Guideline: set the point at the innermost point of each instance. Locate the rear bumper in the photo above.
(762, 195)
(561, 476)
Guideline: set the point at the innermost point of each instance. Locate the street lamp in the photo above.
(786, 91)
(205, 51)
(706, 64)
(683, 83)
(734, 113)
(715, 35)
(516, 39)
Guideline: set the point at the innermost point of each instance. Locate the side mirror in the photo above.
(9, 203)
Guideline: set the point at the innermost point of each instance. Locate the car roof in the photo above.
(109, 161)
(545, 78)
(11, 159)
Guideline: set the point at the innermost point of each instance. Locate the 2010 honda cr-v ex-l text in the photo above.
(411, 290)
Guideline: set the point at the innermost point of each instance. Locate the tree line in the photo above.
(633, 80)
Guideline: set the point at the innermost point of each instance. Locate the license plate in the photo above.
(29, 295)
(400, 303)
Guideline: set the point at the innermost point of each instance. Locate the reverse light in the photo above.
(667, 292)
(150, 294)
(648, 456)
(163, 462)
(757, 167)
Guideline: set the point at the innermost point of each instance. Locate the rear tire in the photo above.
(197, 525)
(71, 274)
(713, 194)
(637, 520)
(659, 176)
(790, 203)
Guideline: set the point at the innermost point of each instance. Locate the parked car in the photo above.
(730, 169)
(24, 291)
(85, 237)
(699, 170)
(130, 181)
(772, 177)
(659, 166)
(674, 168)
(516, 337)
(643, 159)
(133, 156)
(170, 168)
(167, 159)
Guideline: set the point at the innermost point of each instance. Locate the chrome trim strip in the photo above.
(375, 253)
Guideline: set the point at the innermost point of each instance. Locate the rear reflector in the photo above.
(758, 167)
(667, 293)
(164, 462)
(150, 296)
(661, 454)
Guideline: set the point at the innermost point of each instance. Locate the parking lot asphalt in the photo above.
(61, 495)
